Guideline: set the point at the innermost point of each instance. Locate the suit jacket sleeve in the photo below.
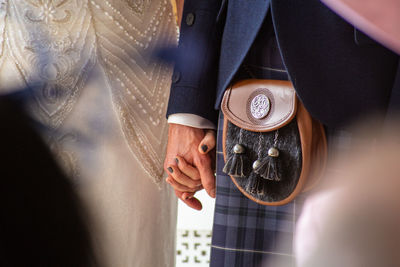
(194, 80)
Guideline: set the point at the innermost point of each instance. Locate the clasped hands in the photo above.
(190, 162)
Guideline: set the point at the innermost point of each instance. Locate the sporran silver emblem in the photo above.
(260, 106)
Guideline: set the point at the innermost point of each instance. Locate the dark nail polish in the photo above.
(170, 170)
(177, 160)
(188, 197)
(204, 148)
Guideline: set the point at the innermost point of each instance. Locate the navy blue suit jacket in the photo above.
(339, 73)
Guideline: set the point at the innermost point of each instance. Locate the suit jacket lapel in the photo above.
(244, 19)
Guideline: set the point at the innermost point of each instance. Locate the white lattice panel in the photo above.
(193, 248)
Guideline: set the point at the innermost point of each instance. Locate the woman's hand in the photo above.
(190, 162)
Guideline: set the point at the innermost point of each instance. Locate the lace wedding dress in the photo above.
(102, 99)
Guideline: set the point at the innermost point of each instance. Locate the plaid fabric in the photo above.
(246, 233)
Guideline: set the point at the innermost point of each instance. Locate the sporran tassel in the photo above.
(267, 167)
(234, 164)
(255, 186)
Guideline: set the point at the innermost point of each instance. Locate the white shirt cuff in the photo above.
(191, 120)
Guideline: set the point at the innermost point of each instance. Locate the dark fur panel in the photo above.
(289, 160)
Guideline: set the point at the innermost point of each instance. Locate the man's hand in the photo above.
(188, 162)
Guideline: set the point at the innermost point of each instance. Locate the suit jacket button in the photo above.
(176, 76)
(190, 19)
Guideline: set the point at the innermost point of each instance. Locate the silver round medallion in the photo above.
(238, 149)
(256, 164)
(260, 106)
(273, 152)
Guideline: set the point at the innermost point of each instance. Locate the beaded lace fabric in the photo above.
(101, 100)
(56, 44)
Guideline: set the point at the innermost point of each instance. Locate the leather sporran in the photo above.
(273, 148)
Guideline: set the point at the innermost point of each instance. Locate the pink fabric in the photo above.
(380, 19)
(315, 216)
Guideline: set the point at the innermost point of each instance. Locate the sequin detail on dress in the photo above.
(126, 38)
(54, 45)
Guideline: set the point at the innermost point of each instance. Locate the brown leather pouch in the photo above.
(273, 149)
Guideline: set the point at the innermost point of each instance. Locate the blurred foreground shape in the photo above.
(353, 221)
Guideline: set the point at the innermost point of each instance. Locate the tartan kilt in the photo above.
(246, 233)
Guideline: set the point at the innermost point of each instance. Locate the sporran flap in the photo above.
(260, 105)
